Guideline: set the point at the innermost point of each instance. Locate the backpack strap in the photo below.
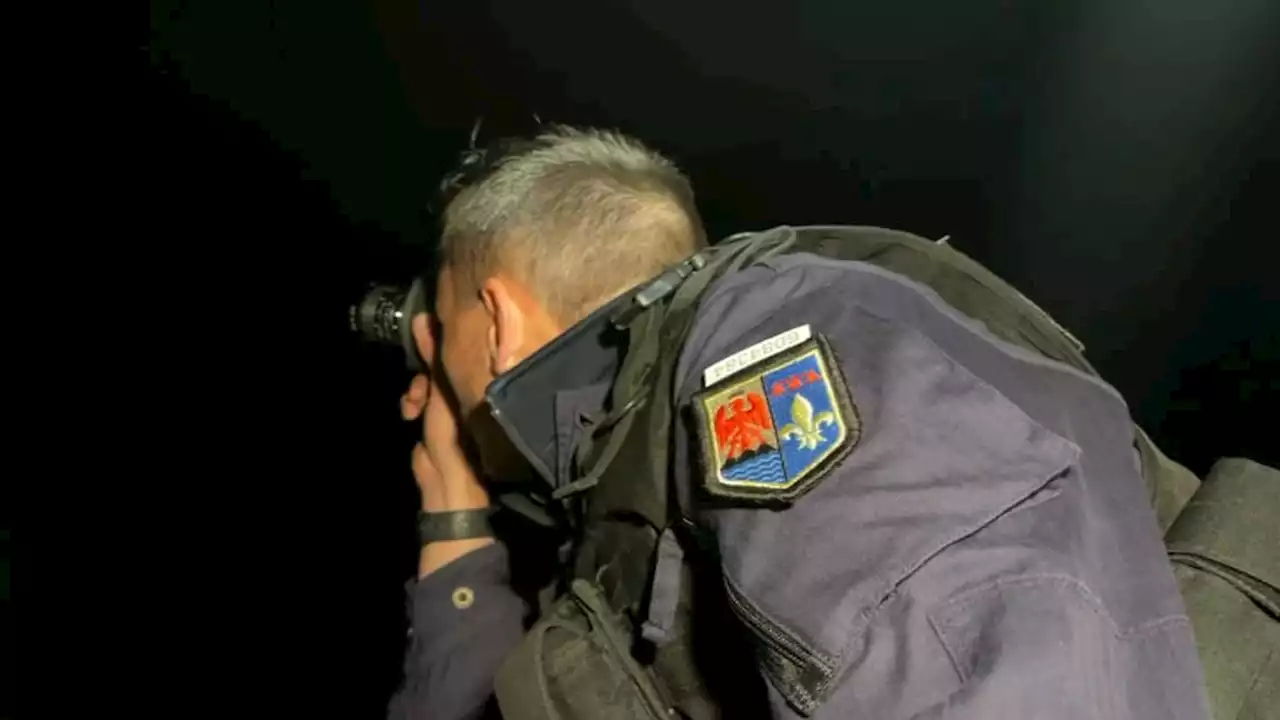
(626, 461)
(959, 280)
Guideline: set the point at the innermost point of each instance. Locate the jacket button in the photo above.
(463, 597)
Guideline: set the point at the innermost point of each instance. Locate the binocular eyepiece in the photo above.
(384, 317)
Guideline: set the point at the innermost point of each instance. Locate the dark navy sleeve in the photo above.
(464, 618)
(980, 547)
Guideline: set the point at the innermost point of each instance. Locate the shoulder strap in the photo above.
(628, 464)
(960, 281)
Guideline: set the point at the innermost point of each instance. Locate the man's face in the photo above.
(478, 339)
(463, 327)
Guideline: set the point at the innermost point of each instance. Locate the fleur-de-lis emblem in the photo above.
(805, 427)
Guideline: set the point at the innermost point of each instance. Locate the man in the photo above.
(900, 513)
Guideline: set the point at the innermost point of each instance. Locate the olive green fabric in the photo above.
(1169, 484)
(1226, 552)
(576, 662)
(961, 282)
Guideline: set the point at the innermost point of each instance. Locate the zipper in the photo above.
(777, 640)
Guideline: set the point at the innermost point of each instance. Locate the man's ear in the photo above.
(508, 324)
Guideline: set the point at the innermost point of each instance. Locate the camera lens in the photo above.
(383, 317)
(379, 314)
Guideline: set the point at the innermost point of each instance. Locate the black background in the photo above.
(1118, 161)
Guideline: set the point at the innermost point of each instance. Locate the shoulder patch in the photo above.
(769, 433)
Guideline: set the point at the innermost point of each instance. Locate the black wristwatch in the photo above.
(453, 525)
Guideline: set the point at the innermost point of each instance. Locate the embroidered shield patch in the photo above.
(769, 433)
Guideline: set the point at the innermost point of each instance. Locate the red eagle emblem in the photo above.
(742, 425)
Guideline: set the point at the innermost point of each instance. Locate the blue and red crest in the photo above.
(771, 431)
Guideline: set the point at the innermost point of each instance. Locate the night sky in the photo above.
(1118, 161)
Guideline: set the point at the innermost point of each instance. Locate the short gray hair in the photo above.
(580, 215)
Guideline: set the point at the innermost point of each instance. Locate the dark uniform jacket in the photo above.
(974, 539)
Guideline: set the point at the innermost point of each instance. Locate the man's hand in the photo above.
(441, 468)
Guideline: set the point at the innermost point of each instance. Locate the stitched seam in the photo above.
(970, 596)
(946, 648)
(903, 573)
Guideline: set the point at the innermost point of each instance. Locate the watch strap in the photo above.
(453, 525)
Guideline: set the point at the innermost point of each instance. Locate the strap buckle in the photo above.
(662, 286)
